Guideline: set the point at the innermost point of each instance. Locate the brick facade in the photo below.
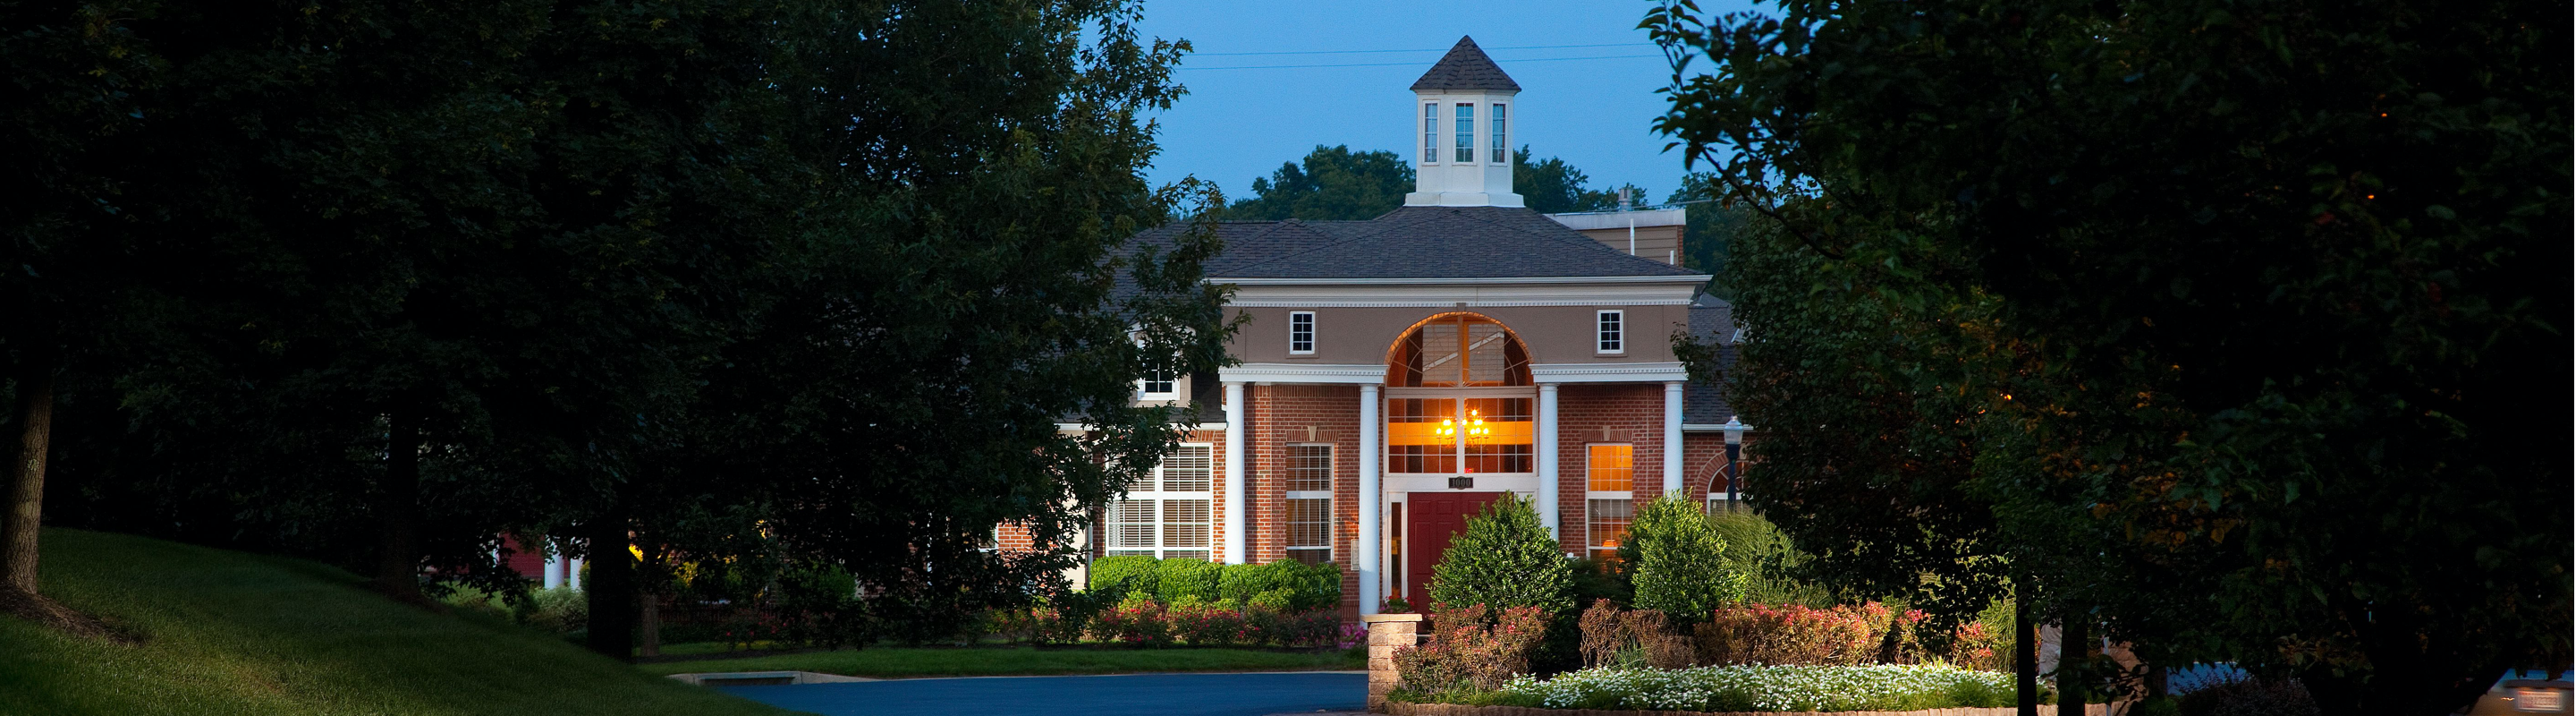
(1279, 416)
(1634, 415)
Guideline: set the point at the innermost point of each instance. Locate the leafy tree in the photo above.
(1709, 230)
(1551, 186)
(1504, 559)
(1682, 568)
(2227, 314)
(1335, 184)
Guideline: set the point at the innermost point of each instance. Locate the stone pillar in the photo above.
(1234, 502)
(1672, 437)
(1368, 548)
(1386, 632)
(1548, 512)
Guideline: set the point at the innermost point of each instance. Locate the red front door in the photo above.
(1430, 518)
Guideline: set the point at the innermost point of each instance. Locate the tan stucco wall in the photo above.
(1660, 243)
(1554, 334)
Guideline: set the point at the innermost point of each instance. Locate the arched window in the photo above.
(1459, 399)
(1457, 350)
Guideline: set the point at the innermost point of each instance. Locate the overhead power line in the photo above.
(1436, 49)
(1392, 64)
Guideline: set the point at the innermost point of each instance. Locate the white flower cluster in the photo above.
(1761, 688)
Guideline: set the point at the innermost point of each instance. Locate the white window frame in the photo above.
(1498, 124)
(1152, 490)
(1467, 133)
(1325, 494)
(1431, 133)
(1171, 389)
(1629, 495)
(1293, 338)
(1610, 331)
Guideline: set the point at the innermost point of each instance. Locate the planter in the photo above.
(1398, 708)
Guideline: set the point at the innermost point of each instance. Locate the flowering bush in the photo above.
(1635, 637)
(1351, 635)
(1978, 646)
(1471, 648)
(1205, 624)
(1792, 634)
(1884, 687)
(1138, 622)
(1318, 627)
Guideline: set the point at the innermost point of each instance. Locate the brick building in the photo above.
(1397, 373)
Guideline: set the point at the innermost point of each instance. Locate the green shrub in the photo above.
(1681, 568)
(1139, 574)
(1751, 545)
(1178, 579)
(1504, 559)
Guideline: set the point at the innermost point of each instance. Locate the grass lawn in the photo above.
(891, 663)
(234, 633)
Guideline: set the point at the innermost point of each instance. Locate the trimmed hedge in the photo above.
(1139, 573)
(1181, 579)
(1286, 586)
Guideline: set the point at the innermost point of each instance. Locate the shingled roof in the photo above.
(1466, 68)
(1428, 242)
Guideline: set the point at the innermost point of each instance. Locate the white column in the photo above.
(1234, 501)
(1547, 500)
(572, 576)
(1370, 546)
(1672, 437)
(554, 568)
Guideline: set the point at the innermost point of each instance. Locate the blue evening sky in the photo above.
(1238, 124)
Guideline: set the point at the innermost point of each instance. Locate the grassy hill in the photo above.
(235, 633)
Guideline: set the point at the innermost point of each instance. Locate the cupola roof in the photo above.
(1465, 68)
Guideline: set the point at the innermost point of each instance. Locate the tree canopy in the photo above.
(1334, 184)
(775, 282)
(2215, 324)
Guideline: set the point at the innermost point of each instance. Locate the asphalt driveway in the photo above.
(1124, 695)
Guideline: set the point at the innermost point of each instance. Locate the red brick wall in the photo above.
(1278, 417)
(1635, 415)
(1703, 456)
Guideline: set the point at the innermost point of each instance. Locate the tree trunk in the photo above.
(651, 634)
(2025, 659)
(2074, 649)
(27, 478)
(611, 588)
(398, 521)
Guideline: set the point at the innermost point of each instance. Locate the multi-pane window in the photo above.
(1301, 332)
(1613, 333)
(1496, 430)
(1610, 481)
(1608, 521)
(1158, 385)
(1167, 512)
(1310, 503)
(1430, 133)
(1419, 437)
(1466, 131)
(1460, 435)
(1500, 147)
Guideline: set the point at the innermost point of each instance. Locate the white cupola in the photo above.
(1463, 114)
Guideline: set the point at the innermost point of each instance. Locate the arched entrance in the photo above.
(1459, 414)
